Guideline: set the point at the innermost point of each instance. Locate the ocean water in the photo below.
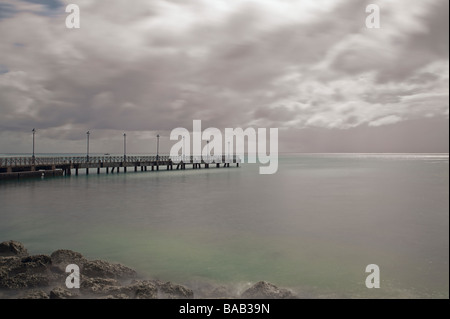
(313, 226)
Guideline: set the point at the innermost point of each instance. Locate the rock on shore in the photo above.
(43, 277)
(266, 290)
(12, 248)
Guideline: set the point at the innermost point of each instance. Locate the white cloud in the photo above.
(391, 119)
(156, 65)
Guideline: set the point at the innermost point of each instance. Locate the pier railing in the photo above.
(64, 160)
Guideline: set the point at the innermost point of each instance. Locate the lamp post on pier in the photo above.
(87, 151)
(183, 150)
(157, 148)
(124, 147)
(33, 157)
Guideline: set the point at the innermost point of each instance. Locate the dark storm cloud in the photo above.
(7, 10)
(399, 56)
(51, 4)
(302, 66)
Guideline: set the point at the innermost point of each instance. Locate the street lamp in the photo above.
(207, 151)
(32, 157)
(87, 152)
(124, 147)
(157, 148)
(182, 153)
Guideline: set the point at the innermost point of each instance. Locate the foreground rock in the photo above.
(43, 277)
(12, 248)
(21, 275)
(137, 289)
(25, 272)
(63, 257)
(168, 290)
(61, 293)
(103, 269)
(99, 286)
(266, 290)
(35, 294)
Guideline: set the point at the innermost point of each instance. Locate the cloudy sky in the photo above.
(309, 67)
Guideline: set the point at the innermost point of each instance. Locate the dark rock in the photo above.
(63, 257)
(104, 269)
(12, 248)
(266, 290)
(26, 272)
(3, 275)
(9, 263)
(37, 259)
(144, 289)
(111, 288)
(30, 264)
(34, 264)
(24, 280)
(61, 293)
(98, 278)
(168, 290)
(100, 286)
(35, 294)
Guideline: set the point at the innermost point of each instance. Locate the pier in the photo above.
(25, 167)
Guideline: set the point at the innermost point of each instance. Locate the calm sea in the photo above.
(313, 226)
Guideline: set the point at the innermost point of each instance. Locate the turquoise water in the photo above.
(313, 226)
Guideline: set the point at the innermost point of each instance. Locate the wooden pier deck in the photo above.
(19, 167)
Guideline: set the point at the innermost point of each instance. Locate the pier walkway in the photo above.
(19, 167)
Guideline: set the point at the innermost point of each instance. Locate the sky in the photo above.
(310, 68)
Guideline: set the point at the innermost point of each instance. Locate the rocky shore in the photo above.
(43, 277)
